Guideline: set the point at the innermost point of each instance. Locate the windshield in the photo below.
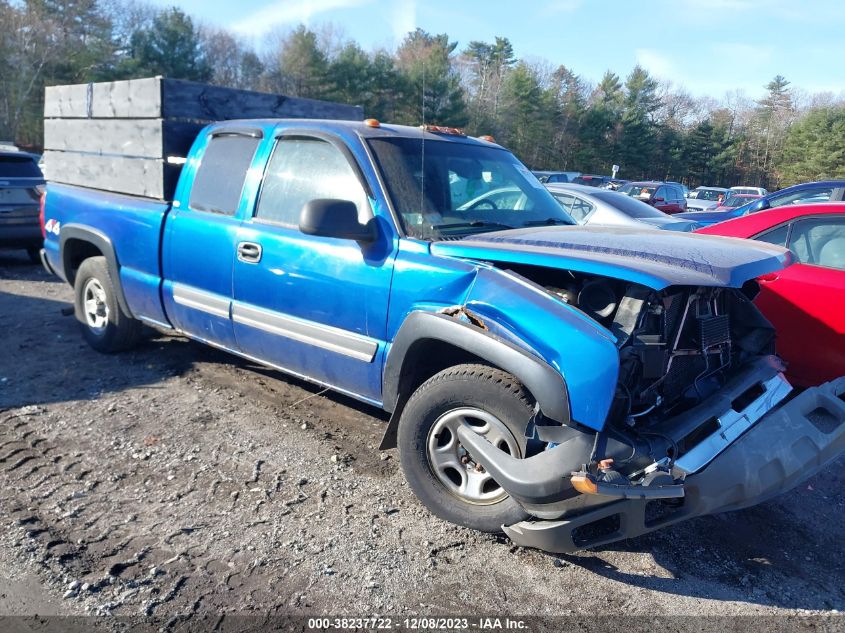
(642, 192)
(732, 202)
(461, 188)
(711, 195)
(629, 206)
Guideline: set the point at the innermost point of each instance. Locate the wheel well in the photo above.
(74, 252)
(424, 359)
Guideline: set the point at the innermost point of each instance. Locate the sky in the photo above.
(708, 47)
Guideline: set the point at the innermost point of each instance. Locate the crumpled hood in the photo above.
(656, 259)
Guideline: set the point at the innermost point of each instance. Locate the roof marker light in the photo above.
(372, 123)
(487, 138)
(442, 129)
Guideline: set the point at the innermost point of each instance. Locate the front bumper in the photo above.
(787, 446)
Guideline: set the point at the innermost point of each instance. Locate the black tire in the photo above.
(34, 254)
(481, 387)
(120, 331)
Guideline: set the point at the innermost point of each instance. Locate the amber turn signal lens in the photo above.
(584, 485)
(487, 138)
(372, 123)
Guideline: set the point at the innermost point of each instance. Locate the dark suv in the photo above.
(21, 184)
(665, 196)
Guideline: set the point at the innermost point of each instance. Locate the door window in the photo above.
(219, 180)
(661, 193)
(304, 169)
(777, 236)
(819, 241)
(577, 207)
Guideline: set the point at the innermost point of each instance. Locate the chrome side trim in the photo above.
(330, 338)
(732, 424)
(201, 300)
(285, 370)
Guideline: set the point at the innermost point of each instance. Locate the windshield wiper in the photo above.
(472, 225)
(547, 222)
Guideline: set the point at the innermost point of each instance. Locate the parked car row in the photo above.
(804, 193)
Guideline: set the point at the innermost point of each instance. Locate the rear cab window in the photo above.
(220, 177)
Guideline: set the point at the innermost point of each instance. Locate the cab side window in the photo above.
(302, 169)
(219, 180)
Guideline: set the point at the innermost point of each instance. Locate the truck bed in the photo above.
(131, 224)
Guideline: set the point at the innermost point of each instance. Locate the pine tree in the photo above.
(815, 147)
(432, 88)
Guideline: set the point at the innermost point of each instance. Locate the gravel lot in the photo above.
(176, 481)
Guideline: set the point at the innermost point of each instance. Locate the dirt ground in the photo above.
(176, 481)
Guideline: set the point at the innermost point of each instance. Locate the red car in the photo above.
(805, 301)
(663, 196)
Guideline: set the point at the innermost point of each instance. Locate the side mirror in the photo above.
(329, 217)
(658, 200)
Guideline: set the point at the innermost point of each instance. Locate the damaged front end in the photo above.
(783, 448)
(701, 420)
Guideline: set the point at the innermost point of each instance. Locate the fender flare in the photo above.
(104, 245)
(544, 382)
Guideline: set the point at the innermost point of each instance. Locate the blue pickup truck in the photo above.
(571, 386)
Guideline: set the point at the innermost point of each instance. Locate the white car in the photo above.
(754, 191)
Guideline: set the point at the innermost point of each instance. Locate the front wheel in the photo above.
(104, 325)
(439, 470)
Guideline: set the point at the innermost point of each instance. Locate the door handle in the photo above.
(249, 252)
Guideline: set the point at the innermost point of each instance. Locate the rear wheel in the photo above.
(438, 468)
(104, 325)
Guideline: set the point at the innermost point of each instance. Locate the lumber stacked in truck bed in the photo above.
(132, 136)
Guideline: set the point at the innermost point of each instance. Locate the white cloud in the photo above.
(403, 18)
(656, 63)
(290, 12)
